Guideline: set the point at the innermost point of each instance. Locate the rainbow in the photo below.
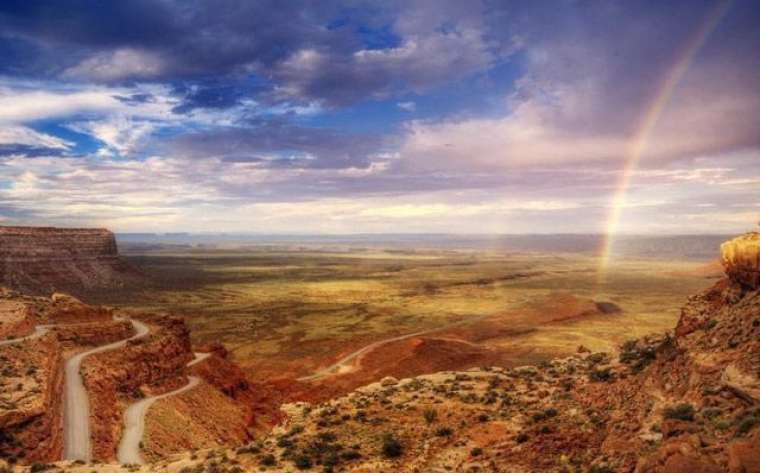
(648, 121)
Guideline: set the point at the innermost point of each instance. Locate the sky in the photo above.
(437, 116)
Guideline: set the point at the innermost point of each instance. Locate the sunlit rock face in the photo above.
(41, 260)
(741, 259)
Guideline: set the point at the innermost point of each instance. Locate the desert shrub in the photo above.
(550, 412)
(711, 412)
(302, 462)
(748, 422)
(595, 358)
(444, 432)
(248, 449)
(327, 437)
(682, 411)
(483, 418)
(538, 416)
(267, 460)
(331, 459)
(476, 452)
(723, 425)
(629, 345)
(600, 374)
(284, 442)
(522, 437)
(36, 467)
(351, 455)
(430, 415)
(667, 344)
(295, 430)
(392, 448)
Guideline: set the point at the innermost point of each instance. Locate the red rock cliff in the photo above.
(40, 260)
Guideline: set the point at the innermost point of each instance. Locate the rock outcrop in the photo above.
(741, 259)
(41, 260)
(31, 383)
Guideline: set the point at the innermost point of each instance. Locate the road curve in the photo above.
(76, 411)
(39, 331)
(335, 367)
(134, 419)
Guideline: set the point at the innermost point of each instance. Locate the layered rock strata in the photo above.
(41, 260)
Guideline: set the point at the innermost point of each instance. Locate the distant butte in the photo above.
(42, 260)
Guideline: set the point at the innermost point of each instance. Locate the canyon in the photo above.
(103, 361)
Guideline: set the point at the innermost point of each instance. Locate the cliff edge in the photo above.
(43, 260)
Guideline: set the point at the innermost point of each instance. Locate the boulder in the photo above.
(741, 259)
(388, 381)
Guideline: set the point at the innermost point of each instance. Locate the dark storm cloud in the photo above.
(193, 37)
(371, 51)
(619, 53)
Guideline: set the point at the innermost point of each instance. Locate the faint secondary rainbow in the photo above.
(648, 121)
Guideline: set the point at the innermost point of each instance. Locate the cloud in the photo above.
(26, 136)
(279, 144)
(120, 134)
(289, 45)
(407, 106)
(581, 100)
(112, 66)
(230, 113)
(23, 141)
(23, 106)
(423, 60)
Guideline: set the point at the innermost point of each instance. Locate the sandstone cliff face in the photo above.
(741, 259)
(40, 260)
(31, 383)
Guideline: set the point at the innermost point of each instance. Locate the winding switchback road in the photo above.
(39, 331)
(351, 357)
(76, 407)
(134, 419)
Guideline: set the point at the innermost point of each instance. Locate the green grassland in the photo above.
(294, 309)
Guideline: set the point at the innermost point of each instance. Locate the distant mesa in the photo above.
(42, 260)
(741, 259)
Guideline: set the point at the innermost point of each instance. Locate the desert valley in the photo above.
(238, 360)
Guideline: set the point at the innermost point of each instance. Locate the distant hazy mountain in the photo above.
(692, 247)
